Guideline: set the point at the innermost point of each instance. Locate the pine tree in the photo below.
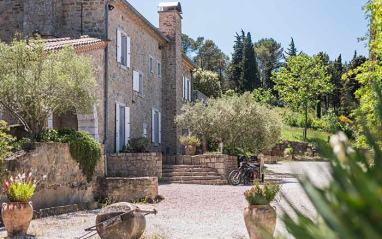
(235, 68)
(292, 50)
(350, 86)
(250, 74)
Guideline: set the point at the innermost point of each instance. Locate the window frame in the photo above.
(151, 64)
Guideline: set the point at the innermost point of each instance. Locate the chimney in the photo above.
(170, 24)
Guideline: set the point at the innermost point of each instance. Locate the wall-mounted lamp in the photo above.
(111, 7)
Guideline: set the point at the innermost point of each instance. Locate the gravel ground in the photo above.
(197, 211)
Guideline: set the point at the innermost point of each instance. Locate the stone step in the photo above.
(183, 166)
(169, 170)
(202, 182)
(171, 174)
(190, 178)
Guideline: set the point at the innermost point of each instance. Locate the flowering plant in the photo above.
(20, 188)
(261, 196)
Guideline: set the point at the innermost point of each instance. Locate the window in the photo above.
(159, 69)
(50, 121)
(123, 48)
(151, 64)
(186, 88)
(144, 135)
(122, 121)
(156, 121)
(138, 82)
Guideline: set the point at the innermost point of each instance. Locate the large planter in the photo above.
(190, 150)
(17, 217)
(259, 218)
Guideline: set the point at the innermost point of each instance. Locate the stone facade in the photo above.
(128, 189)
(65, 183)
(135, 165)
(74, 18)
(224, 164)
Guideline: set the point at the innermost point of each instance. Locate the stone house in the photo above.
(143, 77)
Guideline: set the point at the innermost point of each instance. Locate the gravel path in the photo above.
(197, 211)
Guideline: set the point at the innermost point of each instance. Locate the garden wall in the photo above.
(127, 189)
(134, 165)
(65, 184)
(224, 164)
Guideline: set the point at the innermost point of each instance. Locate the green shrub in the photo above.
(136, 145)
(189, 140)
(84, 149)
(48, 135)
(5, 140)
(18, 144)
(262, 195)
(330, 122)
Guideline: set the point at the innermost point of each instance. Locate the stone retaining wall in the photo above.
(128, 189)
(224, 164)
(134, 165)
(65, 184)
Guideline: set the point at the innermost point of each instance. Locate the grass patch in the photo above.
(315, 138)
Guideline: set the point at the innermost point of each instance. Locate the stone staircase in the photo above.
(192, 174)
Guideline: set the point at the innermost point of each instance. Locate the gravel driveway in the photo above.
(197, 211)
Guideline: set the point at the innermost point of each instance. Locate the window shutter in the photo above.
(50, 121)
(128, 48)
(117, 146)
(136, 81)
(189, 90)
(153, 126)
(119, 47)
(127, 124)
(184, 88)
(160, 127)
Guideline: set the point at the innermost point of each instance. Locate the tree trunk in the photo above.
(306, 120)
(204, 145)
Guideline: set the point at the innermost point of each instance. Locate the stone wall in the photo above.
(277, 152)
(128, 189)
(224, 164)
(135, 165)
(144, 43)
(65, 183)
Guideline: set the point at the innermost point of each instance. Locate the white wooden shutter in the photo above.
(128, 49)
(189, 89)
(117, 146)
(119, 46)
(153, 126)
(184, 88)
(127, 125)
(160, 127)
(136, 81)
(50, 121)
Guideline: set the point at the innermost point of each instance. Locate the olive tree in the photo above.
(35, 83)
(237, 121)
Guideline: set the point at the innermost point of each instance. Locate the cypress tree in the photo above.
(235, 68)
(292, 50)
(336, 80)
(250, 73)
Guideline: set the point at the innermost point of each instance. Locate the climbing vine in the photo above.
(84, 149)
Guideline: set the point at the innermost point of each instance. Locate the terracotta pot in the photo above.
(259, 218)
(17, 217)
(190, 150)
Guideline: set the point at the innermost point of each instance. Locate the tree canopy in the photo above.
(35, 84)
(208, 83)
(302, 82)
(237, 121)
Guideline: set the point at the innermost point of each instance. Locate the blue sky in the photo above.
(332, 26)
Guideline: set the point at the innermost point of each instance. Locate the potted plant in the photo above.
(190, 143)
(18, 212)
(260, 217)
